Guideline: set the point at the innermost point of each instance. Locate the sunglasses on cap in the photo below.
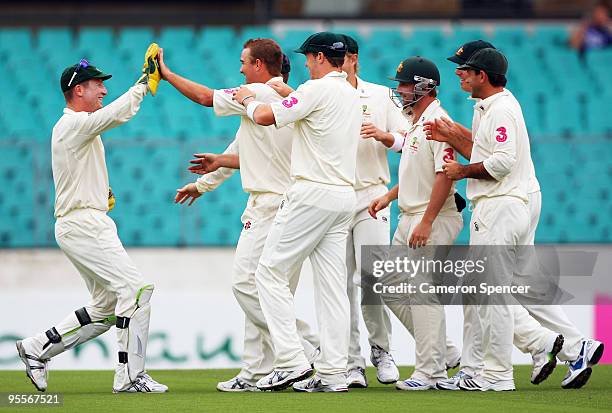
(83, 64)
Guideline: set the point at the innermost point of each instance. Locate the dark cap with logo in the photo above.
(416, 66)
(79, 73)
(286, 65)
(489, 60)
(467, 50)
(352, 46)
(330, 44)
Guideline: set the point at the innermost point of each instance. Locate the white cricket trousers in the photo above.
(529, 335)
(365, 230)
(313, 222)
(258, 353)
(552, 317)
(499, 221)
(427, 322)
(89, 239)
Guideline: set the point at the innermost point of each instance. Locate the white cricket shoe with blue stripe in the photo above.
(314, 385)
(580, 369)
(413, 385)
(452, 383)
(236, 385)
(281, 379)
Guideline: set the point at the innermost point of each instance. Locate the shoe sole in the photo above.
(24, 359)
(282, 386)
(549, 367)
(387, 382)
(447, 389)
(594, 359)
(581, 379)
(357, 386)
(237, 390)
(340, 390)
(413, 388)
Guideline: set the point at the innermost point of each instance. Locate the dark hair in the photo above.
(335, 61)
(268, 51)
(68, 95)
(494, 79)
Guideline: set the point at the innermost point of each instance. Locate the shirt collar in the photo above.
(69, 111)
(428, 112)
(484, 104)
(333, 73)
(362, 88)
(275, 79)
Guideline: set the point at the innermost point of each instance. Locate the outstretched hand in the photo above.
(187, 193)
(204, 163)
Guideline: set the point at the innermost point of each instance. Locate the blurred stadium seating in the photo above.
(566, 103)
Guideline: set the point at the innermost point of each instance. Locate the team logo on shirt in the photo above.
(476, 228)
(502, 137)
(289, 102)
(247, 225)
(414, 144)
(230, 91)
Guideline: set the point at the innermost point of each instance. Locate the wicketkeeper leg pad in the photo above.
(75, 329)
(132, 337)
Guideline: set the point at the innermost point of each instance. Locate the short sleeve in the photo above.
(298, 105)
(225, 105)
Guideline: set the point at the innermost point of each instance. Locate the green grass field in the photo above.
(194, 390)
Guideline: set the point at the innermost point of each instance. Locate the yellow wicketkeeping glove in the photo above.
(111, 199)
(150, 70)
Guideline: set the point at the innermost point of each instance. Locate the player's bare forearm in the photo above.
(462, 144)
(393, 193)
(439, 194)
(229, 160)
(467, 133)
(477, 171)
(196, 92)
(263, 115)
(386, 139)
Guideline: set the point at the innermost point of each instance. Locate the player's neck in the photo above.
(420, 107)
(489, 91)
(352, 79)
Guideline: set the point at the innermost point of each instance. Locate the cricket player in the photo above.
(314, 217)
(382, 126)
(119, 294)
(429, 215)
(574, 347)
(263, 156)
(497, 187)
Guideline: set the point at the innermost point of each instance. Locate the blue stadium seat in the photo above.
(254, 32)
(52, 39)
(92, 39)
(182, 38)
(134, 41)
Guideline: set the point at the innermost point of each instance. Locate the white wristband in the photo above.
(399, 142)
(251, 109)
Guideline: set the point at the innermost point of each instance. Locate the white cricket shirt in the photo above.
(265, 151)
(377, 108)
(502, 144)
(421, 160)
(534, 184)
(77, 153)
(327, 119)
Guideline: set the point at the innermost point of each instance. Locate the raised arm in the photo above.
(190, 89)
